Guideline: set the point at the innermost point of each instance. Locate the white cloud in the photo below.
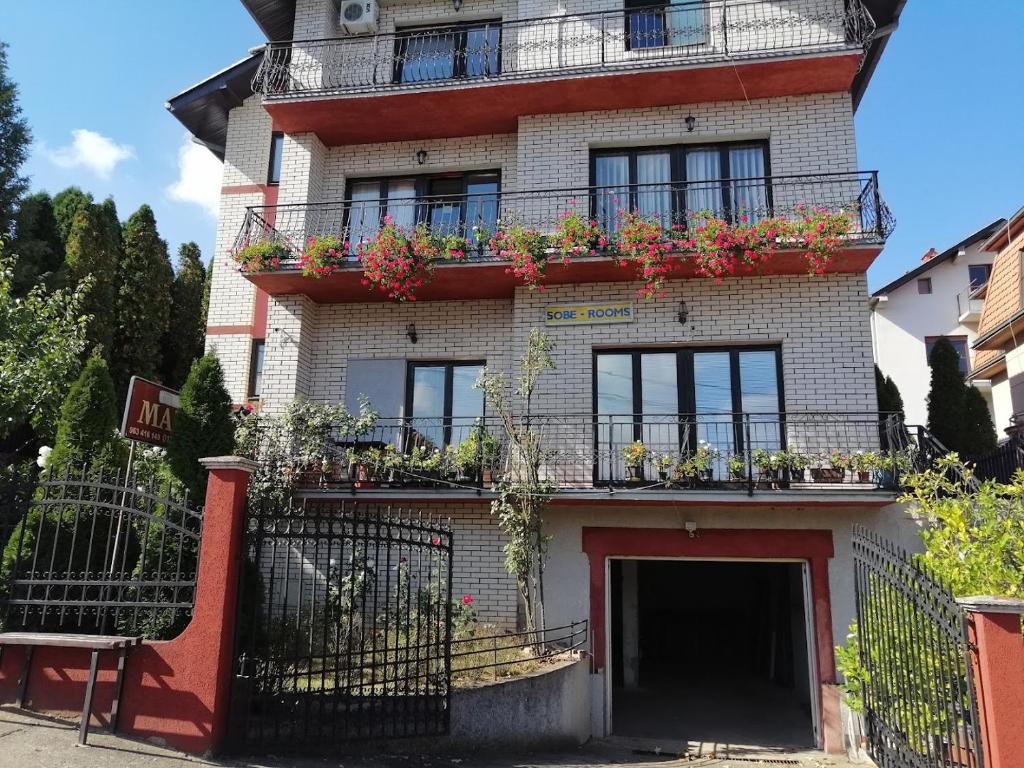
(90, 150)
(199, 176)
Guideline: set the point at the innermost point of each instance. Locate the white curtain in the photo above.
(654, 190)
(749, 197)
(703, 171)
(402, 202)
(364, 213)
(686, 21)
(612, 193)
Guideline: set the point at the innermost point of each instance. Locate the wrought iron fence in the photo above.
(649, 452)
(344, 625)
(96, 552)
(479, 658)
(1002, 464)
(675, 34)
(917, 685)
(676, 205)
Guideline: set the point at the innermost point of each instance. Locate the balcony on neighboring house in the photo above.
(970, 302)
(770, 457)
(471, 219)
(478, 77)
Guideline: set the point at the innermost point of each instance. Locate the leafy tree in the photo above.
(14, 142)
(37, 244)
(522, 495)
(946, 397)
(87, 429)
(91, 253)
(979, 434)
(141, 308)
(183, 343)
(204, 425)
(66, 205)
(42, 336)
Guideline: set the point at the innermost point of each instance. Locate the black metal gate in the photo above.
(344, 626)
(918, 691)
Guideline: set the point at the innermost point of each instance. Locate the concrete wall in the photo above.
(900, 324)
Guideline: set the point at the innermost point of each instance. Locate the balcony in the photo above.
(481, 274)
(969, 303)
(489, 73)
(771, 456)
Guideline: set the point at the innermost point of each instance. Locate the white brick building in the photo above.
(476, 114)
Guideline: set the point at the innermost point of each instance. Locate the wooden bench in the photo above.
(94, 643)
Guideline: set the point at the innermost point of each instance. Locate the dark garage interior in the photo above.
(710, 652)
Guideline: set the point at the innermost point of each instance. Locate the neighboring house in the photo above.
(943, 296)
(714, 595)
(998, 355)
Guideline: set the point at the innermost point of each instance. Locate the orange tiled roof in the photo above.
(1003, 296)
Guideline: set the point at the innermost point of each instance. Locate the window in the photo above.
(276, 152)
(959, 344)
(447, 53)
(451, 204)
(659, 23)
(259, 347)
(666, 182)
(442, 403)
(979, 274)
(924, 285)
(641, 395)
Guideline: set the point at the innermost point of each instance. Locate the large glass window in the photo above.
(678, 400)
(659, 23)
(673, 183)
(463, 204)
(449, 52)
(443, 404)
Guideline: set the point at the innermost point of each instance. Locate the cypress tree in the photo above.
(14, 142)
(90, 252)
(946, 397)
(37, 245)
(186, 329)
(979, 434)
(86, 430)
(204, 425)
(66, 205)
(889, 398)
(142, 305)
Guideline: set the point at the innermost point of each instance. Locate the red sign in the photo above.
(150, 412)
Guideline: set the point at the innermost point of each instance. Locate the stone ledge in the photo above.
(990, 604)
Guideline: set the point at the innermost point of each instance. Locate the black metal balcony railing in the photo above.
(476, 217)
(565, 45)
(708, 451)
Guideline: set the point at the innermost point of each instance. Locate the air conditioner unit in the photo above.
(358, 17)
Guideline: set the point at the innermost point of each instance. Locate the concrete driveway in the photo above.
(30, 741)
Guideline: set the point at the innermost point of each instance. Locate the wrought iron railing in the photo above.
(479, 657)
(565, 45)
(1002, 464)
(971, 300)
(640, 452)
(96, 552)
(477, 216)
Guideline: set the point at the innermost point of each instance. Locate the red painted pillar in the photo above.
(998, 659)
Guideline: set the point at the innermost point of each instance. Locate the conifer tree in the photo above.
(86, 430)
(37, 245)
(946, 397)
(204, 426)
(91, 253)
(14, 142)
(183, 343)
(66, 205)
(979, 434)
(142, 306)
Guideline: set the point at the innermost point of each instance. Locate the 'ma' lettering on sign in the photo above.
(150, 412)
(589, 314)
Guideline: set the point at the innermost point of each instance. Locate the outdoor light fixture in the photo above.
(421, 156)
(684, 313)
(457, 5)
(691, 123)
(410, 331)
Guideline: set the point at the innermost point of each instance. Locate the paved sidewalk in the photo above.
(33, 741)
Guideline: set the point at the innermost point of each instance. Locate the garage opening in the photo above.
(712, 652)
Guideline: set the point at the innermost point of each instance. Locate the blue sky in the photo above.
(943, 119)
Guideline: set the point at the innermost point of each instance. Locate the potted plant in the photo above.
(832, 468)
(736, 464)
(797, 465)
(698, 467)
(264, 256)
(323, 256)
(477, 454)
(635, 455)
(366, 465)
(864, 464)
(770, 465)
(663, 465)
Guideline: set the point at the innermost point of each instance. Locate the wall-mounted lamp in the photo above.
(410, 332)
(691, 123)
(421, 156)
(457, 5)
(684, 313)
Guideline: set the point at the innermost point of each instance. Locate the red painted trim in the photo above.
(178, 690)
(495, 107)
(228, 330)
(259, 314)
(998, 663)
